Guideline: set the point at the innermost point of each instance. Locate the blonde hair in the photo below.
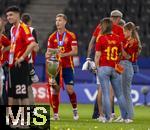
(106, 26)
(134, 32)
(62, 15)
(131, 27)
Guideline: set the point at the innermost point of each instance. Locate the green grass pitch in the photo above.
(66, 122)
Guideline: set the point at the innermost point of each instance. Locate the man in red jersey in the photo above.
(4, 51)
(66, 42)
(22, 43)
(116, 16)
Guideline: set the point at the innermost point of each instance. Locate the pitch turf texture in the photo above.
(66, 122)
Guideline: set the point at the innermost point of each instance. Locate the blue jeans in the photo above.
(127, 77)
(106, 75)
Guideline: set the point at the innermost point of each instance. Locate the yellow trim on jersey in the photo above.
(52, 35)
(97, 38)
(72, 34)
(25, 27)
(4, 36)
(72, 64)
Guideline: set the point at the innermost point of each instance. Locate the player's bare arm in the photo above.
(36, 48)
(91, 45)
(29, 49)
(97, 57)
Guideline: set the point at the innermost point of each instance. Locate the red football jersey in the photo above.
(23, 39)
(116, 29)
(131, 47)
(69, 41)
(4, 42)
(110, 46)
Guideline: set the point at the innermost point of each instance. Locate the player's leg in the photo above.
(104, 73)
(100, 106)
(127, 77)
(99, 100)
(68, 75)
(117, 87)
(30, 91)
(54, 93)
(112, 101)
(97, 105)
(95, 110)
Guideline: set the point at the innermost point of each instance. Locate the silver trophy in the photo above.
(53, 68)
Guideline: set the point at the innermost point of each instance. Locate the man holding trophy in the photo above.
(62, 46)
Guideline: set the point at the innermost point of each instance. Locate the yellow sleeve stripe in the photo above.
(72, 34)
(52, 35)
(71, 62)
(26, 28)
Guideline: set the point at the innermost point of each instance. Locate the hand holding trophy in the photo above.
(52, 65)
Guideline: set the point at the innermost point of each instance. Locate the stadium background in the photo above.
(83, 16)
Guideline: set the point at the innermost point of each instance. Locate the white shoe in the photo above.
(55, 117)
(119, 119)
(110, 120)
(113, 116)
(128, 121)
(75, 114)
(102, 119)
(76, 117)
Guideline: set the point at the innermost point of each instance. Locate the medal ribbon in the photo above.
(61, 43)
(13, 44)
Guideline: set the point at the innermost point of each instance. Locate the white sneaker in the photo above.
(110, 120)
(55, 117)
(113, 116)
(119, 119)
(75, 114)
(128, 121)
(102, 119)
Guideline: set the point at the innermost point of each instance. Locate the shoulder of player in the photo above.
(5, 41)
(72, 34)
(3, 37)
(25, 28)
(52, 35)
(100, 38)
(116, 26)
